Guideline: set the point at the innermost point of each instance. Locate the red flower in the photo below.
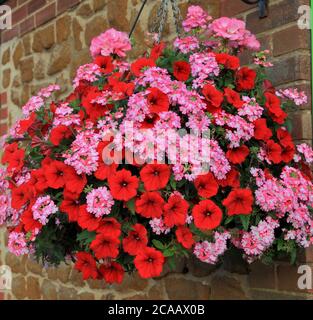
(105, 246)
(155, 176)
(9, 151)
(86, 220)
(287, 153)
(272, 105)
(157, 100)
(105, 64)
(213, 97)
(150, 205)
(110, 226)
(20, 196)
(70, 206)
(112, 272)
(239, 201)
(184, 237)
(245, 79)
(124, 89)
(261, 131)
(181, 70)
(284, 137)
(157, 51)
(233, 98)
(136, 240)
(87, 265)
(207, 215)
(206, 185)
(13, 156)
(55, 174)
(149, 263)
(228, 61)
(104, 171)
(38, 180)
(29, 223)
(273, 151)
(74, 182)
(123, 185)
(150, 120)
(175, 211)
(231, 180)
(237, 155)
(140, 65)
(59, 133)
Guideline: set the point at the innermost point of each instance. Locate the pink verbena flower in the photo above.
(99, 202)
(299, 98)
(187, 44)
(43, 208)
(88, 72)
(47, 92)
(196, 18)
(306, 151)
(158, 227)
(64, 116)
(110, 42)
(250, 109)
(33, 104)
(17, 243)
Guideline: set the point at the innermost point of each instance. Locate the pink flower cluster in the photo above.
(187, 44)
(99, 202)
(17, 243)
(196, 18)
(43, 208)
(298, 97)
(88, 72)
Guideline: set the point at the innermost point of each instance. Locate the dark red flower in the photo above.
(239, 201)
(70, 206)
(214, 98)
(181, 70)
(231, 180)
(150, 205)
(123, 185)
(233, 98)
(157, 51)
(13, 156)
(105, 64)
(273, 151)
(110, 226)
(87, 220)
(284, 137)
(185, 237)
(104, 171)
(245, 79)
(228, 61)
(86, 264)
(105, 246)
(238, 155)
(55, 174)
(175, 211)
(136, 240)
(112, 272)
(150, 120)
(149, 263)
(29, 223)
(74, 182)
(206, 185)
(59, 133)
(288, 153)
(155, 176)
(140, 65)
(9, 151)
(38, 180)
(207, 215)
(274, 109)
(157, 100)
(20, 196)
(261, 131)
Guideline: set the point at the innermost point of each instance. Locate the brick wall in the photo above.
(49, 39)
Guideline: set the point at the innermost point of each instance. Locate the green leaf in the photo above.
(131, 205)
(229, 219)
(245, 220)
(168, 253)
(158, 244)
(86, 237)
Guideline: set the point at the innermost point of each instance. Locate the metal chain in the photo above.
(177, 17)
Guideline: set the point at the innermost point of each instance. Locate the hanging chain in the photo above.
(177, 17)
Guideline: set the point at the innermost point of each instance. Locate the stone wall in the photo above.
(49, 39)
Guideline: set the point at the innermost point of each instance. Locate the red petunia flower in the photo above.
(9, 151)
(157, 100)
(55, 174)
(150, 205)
(273, 151)
(110, 226)
(59, 133)
(238, 155)
(185, 237)
(284, 137)
(70, 206)
(140, 65)
(20, 196)
(13, 156)
(206, 185)
(86, 264)
(150, 120)
(123, 185)
(136, 240)
(214, 98)
(105, 64)
(87, 220)
(181, 70)
(274, 109)
(74, 182)
(157, 51)
(29, 223)
(104, 171)
(38, 180)
(112, 272)
(175, 211)
(231, 180)
(261, 131)
(149, 263)
(207, 215)
(228, 61)
(105, 246)
(233, 98)
(239, 201)
(245, 79)
(288, 153)
(155, 176)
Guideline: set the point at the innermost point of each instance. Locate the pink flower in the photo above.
(187, 44)
(99, 202)
(17, 243)
(299, 98)
(229, 28)
(110, 42)
(158, 226)
(43, 208)
(196, 18)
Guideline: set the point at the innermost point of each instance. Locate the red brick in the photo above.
(262, 276)
(35, 5)
(19, 14)
(290, 39)
(27, 25)
(3, 98)
(45, 14)
(7, 35)
(64, 5)
(234, 7)
(1, 296)
(3, 113)
(3, 129)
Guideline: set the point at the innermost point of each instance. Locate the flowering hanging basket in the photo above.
(181, 152)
